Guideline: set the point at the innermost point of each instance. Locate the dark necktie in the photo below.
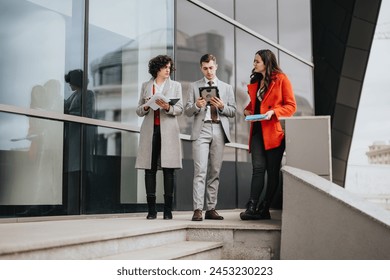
(214, 114)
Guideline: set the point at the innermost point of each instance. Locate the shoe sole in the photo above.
(254, 217)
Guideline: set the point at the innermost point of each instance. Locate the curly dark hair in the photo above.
(159, 62)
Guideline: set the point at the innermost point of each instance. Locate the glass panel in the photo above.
(31, 161)
(301, 77)
(209, 35)
(49, 40)
(123, 37)
(224, 6)
(260, 16)
(111, 184)
(295, 27)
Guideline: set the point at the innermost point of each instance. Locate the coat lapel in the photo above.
(167, 86)
(149, 90)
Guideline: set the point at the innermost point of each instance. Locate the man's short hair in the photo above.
(207, 58)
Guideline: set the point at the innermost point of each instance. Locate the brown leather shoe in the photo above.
(197, 215)
(212, 215)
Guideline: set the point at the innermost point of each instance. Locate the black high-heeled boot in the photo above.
(168, 207)
(250, 212)
(152, 212)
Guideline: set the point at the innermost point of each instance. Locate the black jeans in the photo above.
(150, 174)
(265, 161)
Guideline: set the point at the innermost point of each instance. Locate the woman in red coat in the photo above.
(271, 95)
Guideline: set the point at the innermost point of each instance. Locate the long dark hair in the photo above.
(159, 62)
(271, 66)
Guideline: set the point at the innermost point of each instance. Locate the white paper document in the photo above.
(152, 101)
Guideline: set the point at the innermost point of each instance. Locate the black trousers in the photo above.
(150, 174)
(265, 161)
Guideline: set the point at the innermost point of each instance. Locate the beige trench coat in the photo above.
(171, 155)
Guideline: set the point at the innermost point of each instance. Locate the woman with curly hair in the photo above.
(271, 95)
(159, 143)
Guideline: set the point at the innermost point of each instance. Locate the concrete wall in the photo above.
(322, 221)
(308, 144)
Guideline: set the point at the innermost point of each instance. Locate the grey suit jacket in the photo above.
(229, 110)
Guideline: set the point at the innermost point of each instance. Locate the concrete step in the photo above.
(86, 239)
(184, 250)
(119, 236)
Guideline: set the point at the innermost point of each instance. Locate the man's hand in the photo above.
(217, 102)
(200, 102)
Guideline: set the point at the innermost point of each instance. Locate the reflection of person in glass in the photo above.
(210, 132)
(271, 94)
(44, 136)
(42, 174)
(79, 105)
(159, 143)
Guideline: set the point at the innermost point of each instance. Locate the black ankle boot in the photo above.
(152, 212)
(250, 211)
(262, 212)
(168, 207)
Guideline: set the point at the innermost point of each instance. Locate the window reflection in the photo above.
(122, 39)
(121, 42)
(260, 16)
(224, 6)
(45, 37)
(301, 77)
(295, 27)
(30, 160)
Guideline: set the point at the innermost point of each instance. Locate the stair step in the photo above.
(178, 250)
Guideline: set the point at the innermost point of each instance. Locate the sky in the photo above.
(373, 118)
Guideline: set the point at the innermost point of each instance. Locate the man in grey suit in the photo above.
(210, 132)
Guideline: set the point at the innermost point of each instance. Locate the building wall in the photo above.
(111, 45)
(341, 48)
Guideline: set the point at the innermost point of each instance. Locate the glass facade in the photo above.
(71, 72)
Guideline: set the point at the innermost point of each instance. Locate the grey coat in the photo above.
(170, 139)
(225, 93)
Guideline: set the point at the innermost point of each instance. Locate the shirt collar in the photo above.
(215, 81)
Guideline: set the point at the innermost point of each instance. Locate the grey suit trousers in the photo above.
(207, 153)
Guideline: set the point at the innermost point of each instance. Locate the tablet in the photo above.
(208, 92)
(173, 101)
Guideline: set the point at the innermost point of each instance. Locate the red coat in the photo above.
(280, 98)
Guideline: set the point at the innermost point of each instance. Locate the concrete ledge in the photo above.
(322, 220)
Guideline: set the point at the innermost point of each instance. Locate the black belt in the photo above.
(210, 121)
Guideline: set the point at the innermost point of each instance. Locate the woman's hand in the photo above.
(146, 100)
(163, 104)
(247, 113)
(269, 114)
